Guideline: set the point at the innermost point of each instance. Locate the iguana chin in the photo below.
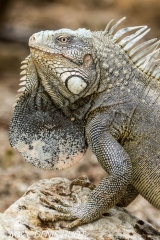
(95, 89)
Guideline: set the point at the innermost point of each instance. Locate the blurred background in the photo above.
(18, 20)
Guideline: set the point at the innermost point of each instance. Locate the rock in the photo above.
(20, 221)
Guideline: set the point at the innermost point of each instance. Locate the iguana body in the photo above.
(106, 92)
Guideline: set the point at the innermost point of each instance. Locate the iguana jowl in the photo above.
(95, 89)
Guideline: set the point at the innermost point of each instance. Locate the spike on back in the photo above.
(24, 72)
(144, 58)
(27, 83)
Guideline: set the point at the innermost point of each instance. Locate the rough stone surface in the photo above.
(20, 220)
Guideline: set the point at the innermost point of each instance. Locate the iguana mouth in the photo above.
(49, 53)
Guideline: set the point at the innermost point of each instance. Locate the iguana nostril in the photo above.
(33, 39)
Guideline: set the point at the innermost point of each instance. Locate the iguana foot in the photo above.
(73, 211)
(48, 217)
(82, 181)
(68, 210)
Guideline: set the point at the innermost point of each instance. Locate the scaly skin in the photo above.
(89, 80)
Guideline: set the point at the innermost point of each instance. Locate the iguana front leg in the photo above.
(116, 162)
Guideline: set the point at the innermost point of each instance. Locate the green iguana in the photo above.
(95, 89)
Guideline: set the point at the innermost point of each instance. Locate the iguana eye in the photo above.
(63, 39)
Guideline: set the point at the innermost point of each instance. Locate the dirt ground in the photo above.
(18, 20)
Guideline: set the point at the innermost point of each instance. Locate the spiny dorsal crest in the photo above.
(29, 81)
(23, 79)
(144, 56)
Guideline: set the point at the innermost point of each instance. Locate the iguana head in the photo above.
(65, 62)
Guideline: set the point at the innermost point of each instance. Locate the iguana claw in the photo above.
(82, 181)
